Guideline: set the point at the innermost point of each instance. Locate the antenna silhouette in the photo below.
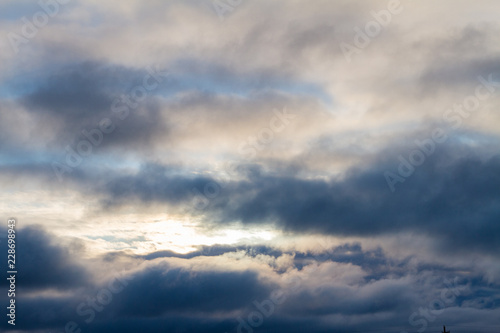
(444, 330)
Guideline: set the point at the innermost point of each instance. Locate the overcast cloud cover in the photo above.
(251, 165)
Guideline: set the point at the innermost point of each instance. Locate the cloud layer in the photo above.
(225, 166)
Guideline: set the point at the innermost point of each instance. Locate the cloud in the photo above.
(80, 96)
(175, 290)
(320, 178)
(451, 196)
(42, 263)
(166, 291)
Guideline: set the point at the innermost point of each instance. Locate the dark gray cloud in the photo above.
(159, 295)
(79, 96)
(374, 261)
(448, 197)
(176, 290)
(453, 195)
(43, 263)
(152, 183)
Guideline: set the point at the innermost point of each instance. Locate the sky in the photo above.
(251, 165)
